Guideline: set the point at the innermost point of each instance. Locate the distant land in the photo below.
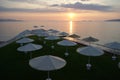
(114, 20)
(9, 20)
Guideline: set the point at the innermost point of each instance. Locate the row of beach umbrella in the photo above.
(113, 45)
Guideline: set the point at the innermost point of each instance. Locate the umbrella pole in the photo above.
(30, 55)
(88, 59)
(26, 54)
(21, 44)
(52, 45)
(88, 65)
(114, 56)
(48, 76)
(66, 53)
(44, 42)
(66, 49)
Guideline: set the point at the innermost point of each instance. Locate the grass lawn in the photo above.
(14, 64)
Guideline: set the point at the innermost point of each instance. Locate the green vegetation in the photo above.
(14, 65)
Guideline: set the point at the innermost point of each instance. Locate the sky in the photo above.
(75, 10)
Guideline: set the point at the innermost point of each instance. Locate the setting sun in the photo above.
(71, 15)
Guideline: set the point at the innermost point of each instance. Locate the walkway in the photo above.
(95, 45)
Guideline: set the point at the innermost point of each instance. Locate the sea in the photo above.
(106, 32)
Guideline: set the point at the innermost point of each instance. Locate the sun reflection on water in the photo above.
(70, 27)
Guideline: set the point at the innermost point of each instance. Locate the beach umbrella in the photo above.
(24, 40)
(38, 31)
(63, 34)
(24, 33)
(47, 63)
(52, 38)
(43, 34)
(90, 51)
(50, 30)
(90, 39)
(115, 46)
(29, 47)
(35, 26)
(53, 32)
(74, 36)
(66, 43)
(42, 26)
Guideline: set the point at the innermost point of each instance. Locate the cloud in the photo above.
(30, 1)
(85, 0)
(81, 6)
(21, 0)
(78, 7)
(5, 9)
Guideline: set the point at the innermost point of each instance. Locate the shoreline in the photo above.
(2, 42)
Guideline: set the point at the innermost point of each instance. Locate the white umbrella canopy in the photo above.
(24, 40)
(52, 38)
(37, 31)
(74, 36)
(90, 39)
(66, 43)
(24, 33)
(29, 47)
(47, 63)
(63, 34)
(53, 32)
(113, 45)
(43, 34)
(50, 30)
(90, 51)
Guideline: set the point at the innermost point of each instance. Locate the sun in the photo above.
(71, 15)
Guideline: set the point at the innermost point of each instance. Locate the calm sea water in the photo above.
(104, 31)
